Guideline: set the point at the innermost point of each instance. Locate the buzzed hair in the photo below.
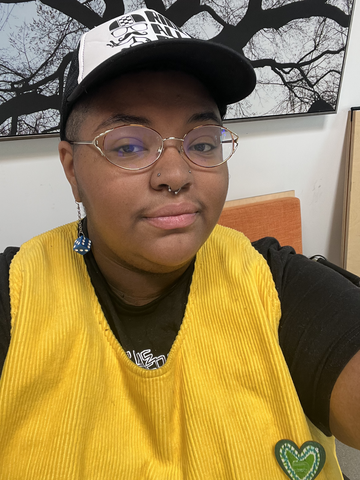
(80, 110)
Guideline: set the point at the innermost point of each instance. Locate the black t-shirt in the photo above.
(147, 332)
(5, 317)
(319, 330)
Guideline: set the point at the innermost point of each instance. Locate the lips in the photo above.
(173, 216)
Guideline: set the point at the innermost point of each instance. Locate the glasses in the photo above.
(134, 147)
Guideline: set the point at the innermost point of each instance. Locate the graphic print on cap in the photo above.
(128, 31)
(110, 38)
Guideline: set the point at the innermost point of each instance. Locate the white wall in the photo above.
(302, 154)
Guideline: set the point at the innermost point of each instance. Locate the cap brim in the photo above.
(226, 73)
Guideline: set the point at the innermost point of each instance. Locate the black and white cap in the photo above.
(146, 39)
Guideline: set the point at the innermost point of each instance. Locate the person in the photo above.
(161, 345)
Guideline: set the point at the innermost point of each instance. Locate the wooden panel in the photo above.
(260, 198)
(351, 224)
(274, 217)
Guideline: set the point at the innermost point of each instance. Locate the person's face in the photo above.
(132, 217)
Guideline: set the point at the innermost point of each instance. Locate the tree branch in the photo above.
(254, 6)
(72, 8)
(75, 10)
(156, 5)
(59, 72)
(48, 60)
(336, 72)
(257, 19)
(113, 9)
(278, 17)
(182, 10)
(270, 62)
(26, 104)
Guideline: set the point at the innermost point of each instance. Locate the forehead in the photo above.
(150, 95)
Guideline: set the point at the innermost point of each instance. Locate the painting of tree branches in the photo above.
(297, 48)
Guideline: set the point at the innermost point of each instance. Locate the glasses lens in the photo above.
(132, 147)
(209, 146)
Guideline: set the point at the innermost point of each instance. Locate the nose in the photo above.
(172, 168)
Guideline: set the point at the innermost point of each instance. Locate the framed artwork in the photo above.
(297, 48)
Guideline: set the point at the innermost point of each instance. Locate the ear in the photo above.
(66, 153)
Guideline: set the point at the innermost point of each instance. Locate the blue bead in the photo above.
(82, 245)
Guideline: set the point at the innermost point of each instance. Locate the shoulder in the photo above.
(319, 330)
(41, 252)
(279, 259)
(232, 243)
(231, 247)
(51, 239)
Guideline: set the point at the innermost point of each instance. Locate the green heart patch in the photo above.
(300, 464)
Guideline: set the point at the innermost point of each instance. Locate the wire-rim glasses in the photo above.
(135, 147)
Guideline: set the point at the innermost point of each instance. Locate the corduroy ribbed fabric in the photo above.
(73, 406)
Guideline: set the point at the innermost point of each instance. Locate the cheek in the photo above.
(216, 186)
(225, 180)
(103, 189)
(107, 202)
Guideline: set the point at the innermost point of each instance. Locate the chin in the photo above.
(174, 257)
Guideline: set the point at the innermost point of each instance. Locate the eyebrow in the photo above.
(121, 118)
(204, 116)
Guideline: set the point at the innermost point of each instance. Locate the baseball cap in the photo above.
(145, 39)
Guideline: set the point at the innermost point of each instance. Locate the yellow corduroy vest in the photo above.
(73, 406)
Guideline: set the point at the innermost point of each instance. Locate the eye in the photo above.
(202, 147)
(129, 149)
(125, 147)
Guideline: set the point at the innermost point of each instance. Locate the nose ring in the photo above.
(174, 191)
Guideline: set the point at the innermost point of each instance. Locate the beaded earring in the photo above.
(82, 244)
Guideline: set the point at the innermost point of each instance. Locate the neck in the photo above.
(133, 285)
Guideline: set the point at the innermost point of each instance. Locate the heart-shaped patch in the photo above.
(300, 464)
